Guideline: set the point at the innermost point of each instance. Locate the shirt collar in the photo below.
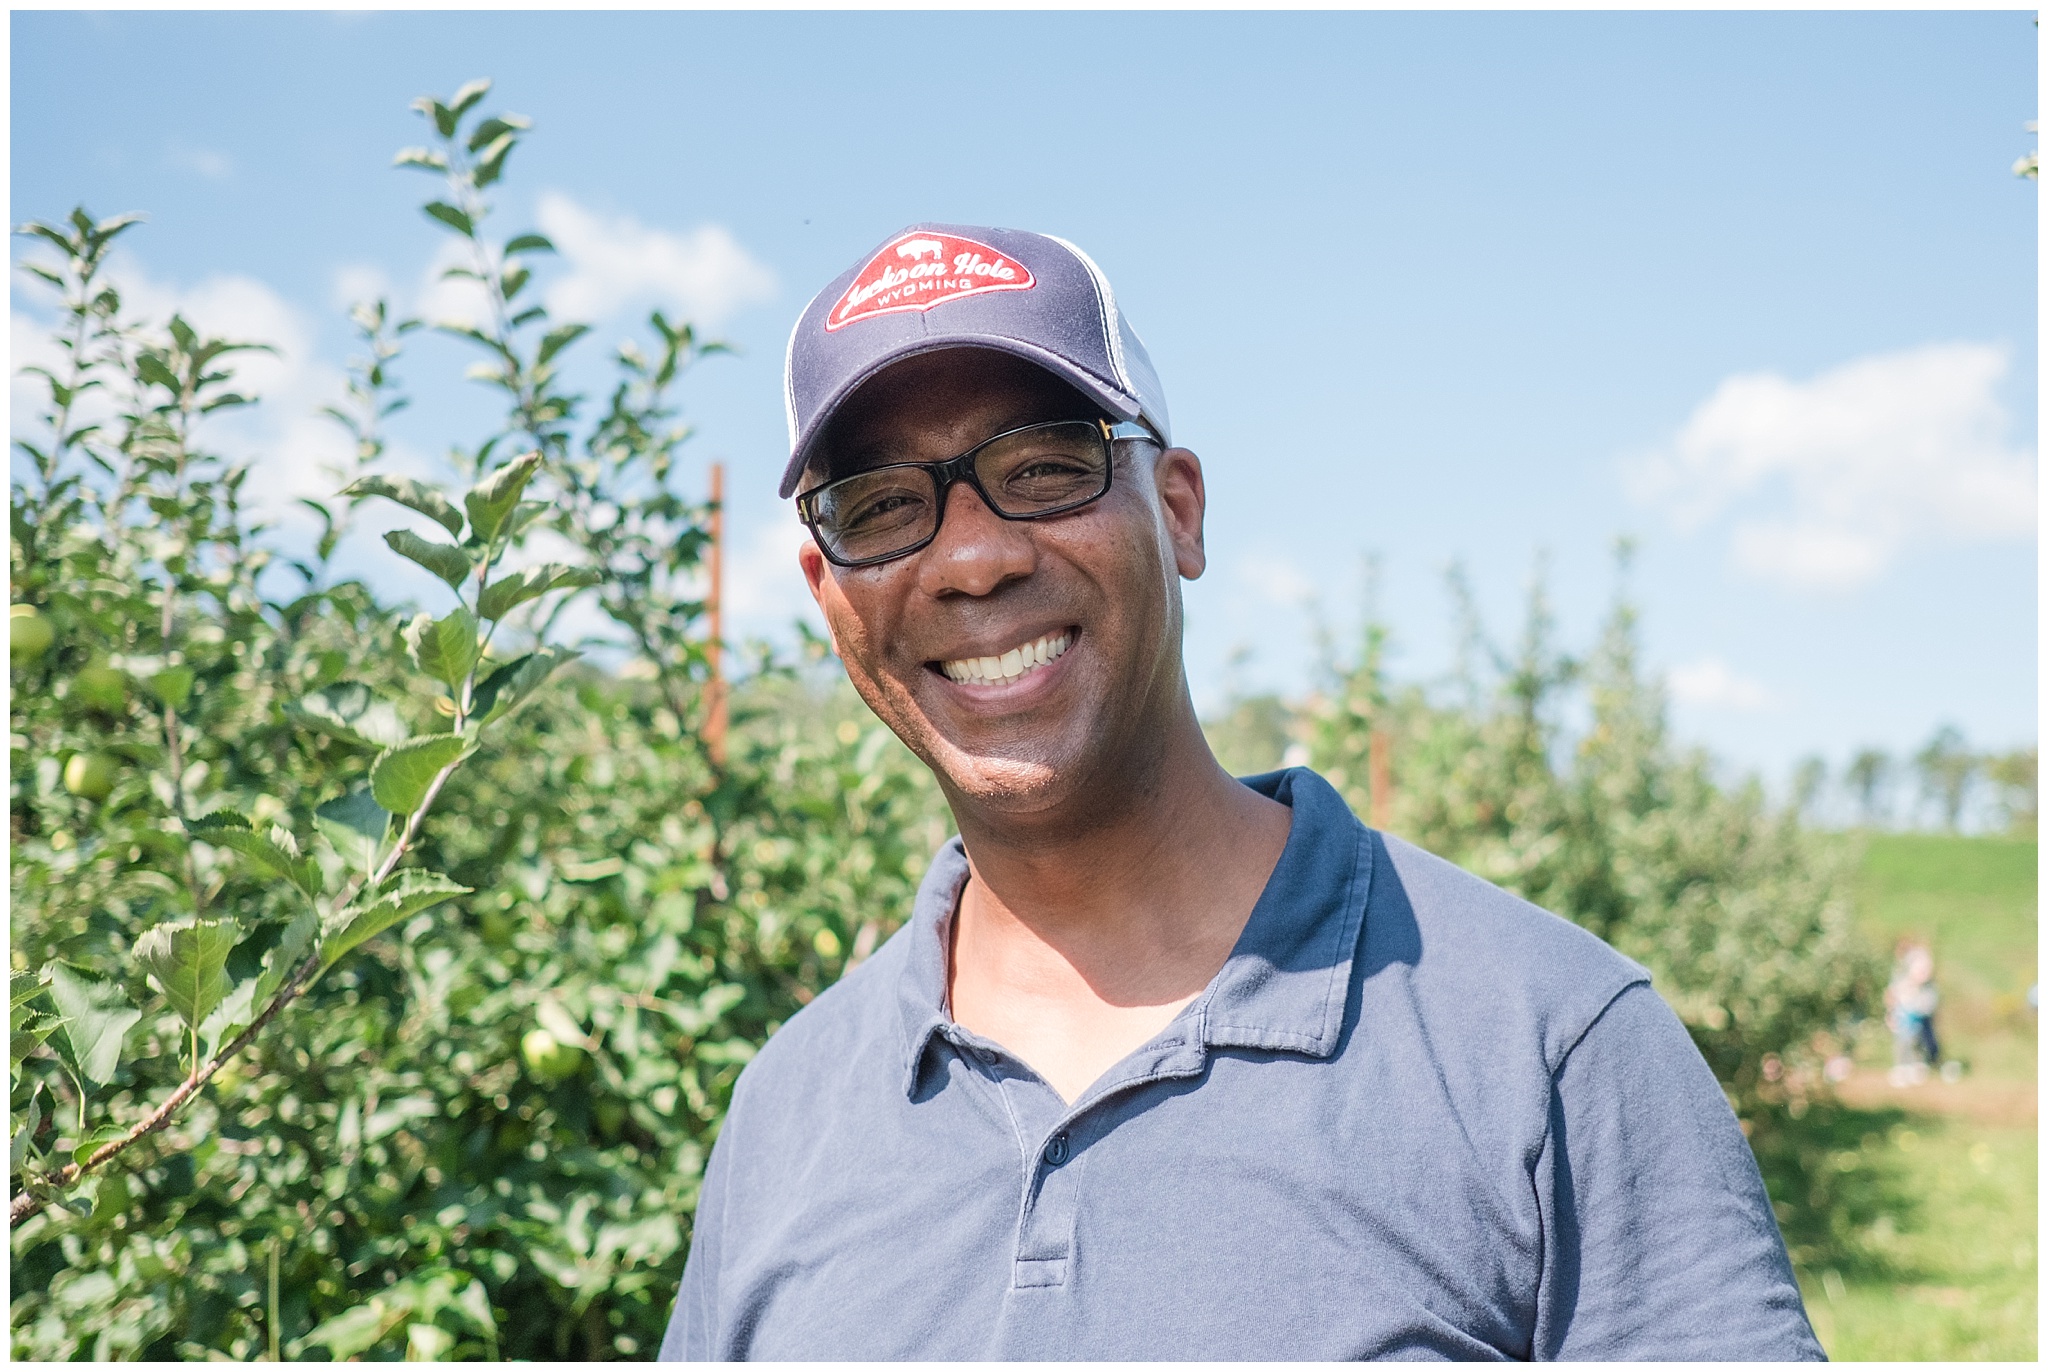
(1285, 984)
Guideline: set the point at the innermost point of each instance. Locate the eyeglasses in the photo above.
(1028, 473)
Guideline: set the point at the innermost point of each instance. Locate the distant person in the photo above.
(1166, 1065)
(1910, 1002)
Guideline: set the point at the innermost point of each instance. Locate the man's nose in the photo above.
(975, 550)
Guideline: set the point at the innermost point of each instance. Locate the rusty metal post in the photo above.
(714, 713)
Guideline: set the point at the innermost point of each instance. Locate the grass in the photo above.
(1956, 1265)
(1944, 1175)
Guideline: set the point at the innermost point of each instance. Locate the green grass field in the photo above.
(1951, 1167)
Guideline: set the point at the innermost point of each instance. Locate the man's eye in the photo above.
(1049, 466)
(1048, 478)
(879, 509)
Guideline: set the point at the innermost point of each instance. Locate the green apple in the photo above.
(90, 775)
(548, 1058)
(29, 635)
(101, 687)
(498, 925)
(826, 943)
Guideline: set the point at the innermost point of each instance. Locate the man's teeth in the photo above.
(1000, 671)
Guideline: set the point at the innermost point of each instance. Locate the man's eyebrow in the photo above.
(878, 454)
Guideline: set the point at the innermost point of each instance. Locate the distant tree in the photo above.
(1869, 779)
(1948, 770)
(2015, 777)
(1809, 779)
(1253, 734)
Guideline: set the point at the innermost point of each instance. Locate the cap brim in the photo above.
(1117, 403)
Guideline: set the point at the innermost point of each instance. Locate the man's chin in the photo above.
(1003, 783)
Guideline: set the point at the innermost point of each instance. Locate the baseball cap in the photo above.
(936, 286)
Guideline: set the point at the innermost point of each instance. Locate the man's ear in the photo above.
(1177, 474)
(817, 575)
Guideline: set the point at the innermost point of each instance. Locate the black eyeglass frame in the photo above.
(961, 468)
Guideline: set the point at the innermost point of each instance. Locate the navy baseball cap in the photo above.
(936, 286)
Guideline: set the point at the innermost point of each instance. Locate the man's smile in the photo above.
(1011, 665)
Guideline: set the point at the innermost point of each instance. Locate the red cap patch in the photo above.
(920, 270)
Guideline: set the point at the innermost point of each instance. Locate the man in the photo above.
(1165, 1064)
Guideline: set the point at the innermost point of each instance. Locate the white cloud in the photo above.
(764, 586)
(703, 276)
(28, 345)
(1829, 480)
(1712, 683)
(1276, 580)
(283, 439)
(604, 267)
(207, 162)
(358, 283)
(444, 300)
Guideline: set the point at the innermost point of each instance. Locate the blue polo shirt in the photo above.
(1412, 1116)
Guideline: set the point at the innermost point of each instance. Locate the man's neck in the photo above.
(1074, 944)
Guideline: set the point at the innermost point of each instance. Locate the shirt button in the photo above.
(1056, 1150)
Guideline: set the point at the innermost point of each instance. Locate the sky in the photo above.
(1756, 291)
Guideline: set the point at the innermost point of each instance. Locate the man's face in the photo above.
(1103, 579)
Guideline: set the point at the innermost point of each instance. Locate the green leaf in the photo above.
(189, 960)
(26, 1030)
(507, 593)
(173, 686)
(357, 1330)
(229, 1018)
(493, 498)
(443, 117)
(289, 950)
(444, 648)
(529, 242)
(151, 368)
(444, 560)
(95, 1014)
(452, 217)
(96, 1140)
(355, 824)
(490, 164)
(522, 517)
(23, 987)
(425, 158)
(350, 709)
(554, 340)
(400, 776)
(24, 1137)
(504, 690)
(494, 128)
(465, 99)
(413, 496)
(276, 855)
(406, 894)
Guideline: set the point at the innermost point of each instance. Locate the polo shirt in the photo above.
(1412, 1116)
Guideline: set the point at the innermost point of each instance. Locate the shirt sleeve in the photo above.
(692, 1328)
(1659, 1239)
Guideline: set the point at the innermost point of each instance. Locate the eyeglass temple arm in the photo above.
(1132, 428)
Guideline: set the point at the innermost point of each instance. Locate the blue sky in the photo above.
(1757, 290)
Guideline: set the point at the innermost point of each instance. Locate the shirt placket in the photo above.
(1054, 1140)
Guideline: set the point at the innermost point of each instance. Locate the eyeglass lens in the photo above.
(1035, 471)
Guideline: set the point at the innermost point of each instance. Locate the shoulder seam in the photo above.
(1564, 1054)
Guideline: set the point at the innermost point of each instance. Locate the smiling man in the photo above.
(1165, 1064)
